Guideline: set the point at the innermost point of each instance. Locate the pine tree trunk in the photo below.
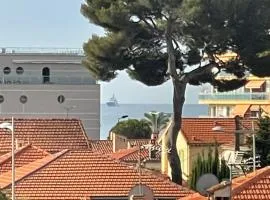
(178, 102)
(179, 89)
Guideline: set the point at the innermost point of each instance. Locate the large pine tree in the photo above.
(155, 40)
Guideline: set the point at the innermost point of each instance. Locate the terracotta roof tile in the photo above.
(23, 156)
(199, 130)
(79, 174)
(49, 134)
(253, 186)
(132, 155)
(25, 170)
(102, 146)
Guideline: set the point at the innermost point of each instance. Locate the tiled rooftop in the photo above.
(25, 170)
(199, 130)
(132, 155)
(49, 134)
(253, 186)
(84, 174)
(23, 156)
(101, 146)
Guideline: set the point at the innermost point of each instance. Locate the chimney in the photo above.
(154, 137)
(119, 142)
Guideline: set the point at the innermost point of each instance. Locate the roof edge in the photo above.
(254, 176)
(40, 163)
(8, 155)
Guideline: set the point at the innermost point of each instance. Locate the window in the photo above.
(61, 99)
(46, 75)
(19, 70)
(7, 70)
(1, 99)
(23, 99)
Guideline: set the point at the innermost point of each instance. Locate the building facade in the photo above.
(247, 101)
(49, 83)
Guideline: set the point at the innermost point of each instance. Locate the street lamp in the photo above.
(10, 126)
(122, 117)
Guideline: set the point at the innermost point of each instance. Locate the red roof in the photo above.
(132, 155)
(23, 156)
(84, 174)
(253, 186)
(49, 134)
(200, 130)
(25, 170)
(101, 146)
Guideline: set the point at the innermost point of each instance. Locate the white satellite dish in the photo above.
(206, 181)
(141, 190)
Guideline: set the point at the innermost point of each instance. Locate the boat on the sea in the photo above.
(112, 102)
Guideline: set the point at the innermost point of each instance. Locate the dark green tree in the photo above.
(210, 164)
(133, 129)
(155, 40)
(262, 141)
(3, 196)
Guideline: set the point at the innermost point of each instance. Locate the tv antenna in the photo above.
(69, 108)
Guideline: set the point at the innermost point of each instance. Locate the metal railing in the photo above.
(41, 50)
(61, 80)
(235, 96)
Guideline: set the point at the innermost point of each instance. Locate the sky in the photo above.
(59, 23)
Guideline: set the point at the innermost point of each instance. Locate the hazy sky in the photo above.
(58, 23)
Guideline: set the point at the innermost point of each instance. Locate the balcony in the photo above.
(40, 50)
(58, 80)
(260, 96)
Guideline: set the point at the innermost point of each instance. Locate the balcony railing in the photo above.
(60, 80)
(235, 96)
(40, 50)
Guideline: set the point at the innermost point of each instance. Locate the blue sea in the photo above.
(110, 115)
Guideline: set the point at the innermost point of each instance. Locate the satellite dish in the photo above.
(141, 190)
(204, 182)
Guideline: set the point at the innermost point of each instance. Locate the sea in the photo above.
(110, 115)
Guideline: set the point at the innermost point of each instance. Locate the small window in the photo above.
(1, 99)
(61, 99)
(19, 70)
(23, 99)
(7, 70)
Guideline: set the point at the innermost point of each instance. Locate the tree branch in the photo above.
(201, 71)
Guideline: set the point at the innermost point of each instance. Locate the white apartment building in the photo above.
(48, 83)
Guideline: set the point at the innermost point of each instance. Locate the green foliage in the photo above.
(155, 40)
(133, 129)
(3, 196)
(135, 38)
(263, 141)
(156, 120)
(210, 164)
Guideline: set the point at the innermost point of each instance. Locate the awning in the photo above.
(265, 109)
(240, 110)
(254, 108)
(254, 84)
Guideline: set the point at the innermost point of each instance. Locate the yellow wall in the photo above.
(183, 152)
(187, 153)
